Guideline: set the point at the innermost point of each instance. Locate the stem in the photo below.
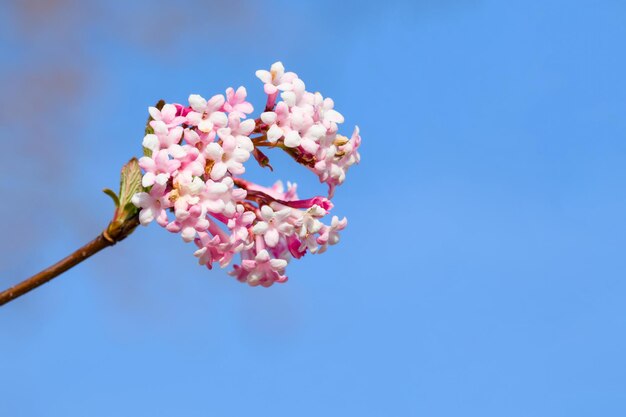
(116, 232)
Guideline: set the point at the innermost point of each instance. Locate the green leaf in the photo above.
(124, 219)
(112, 194)
(130, 207)
(130, 183)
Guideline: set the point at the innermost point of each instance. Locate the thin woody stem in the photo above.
(109, 237)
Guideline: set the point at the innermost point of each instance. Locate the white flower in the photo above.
(276, 78)
(229, 157)
(275, 223)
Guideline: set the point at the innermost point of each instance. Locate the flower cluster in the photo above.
(194, 160)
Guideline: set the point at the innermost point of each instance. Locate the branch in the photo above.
(105, 239)
(125, 220)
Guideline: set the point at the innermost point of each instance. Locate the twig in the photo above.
(117, 231)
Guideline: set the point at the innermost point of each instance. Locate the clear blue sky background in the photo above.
(482, 273)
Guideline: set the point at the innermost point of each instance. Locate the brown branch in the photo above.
(116, 232)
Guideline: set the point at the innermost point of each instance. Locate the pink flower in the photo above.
(197, 155)
(153, 205)
(273, 225)
(239, 224)
(158, 168)
(236, 103)
(297, 95)
(350, 150)
(240, 130)
(187, 193)
(167, 136)
(167, 115)
(192, 162)
(264, 270)
(214, 248)
(276, 78)
(206, 115)
(229, 157)
(221, 197)
(209, 249)
(198, 139)
(187, 226)
(330, 234)
(328, 168)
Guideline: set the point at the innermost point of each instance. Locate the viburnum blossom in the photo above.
(195, 156)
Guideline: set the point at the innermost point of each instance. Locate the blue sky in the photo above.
(482, 272)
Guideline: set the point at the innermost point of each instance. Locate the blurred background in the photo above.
(482, 272)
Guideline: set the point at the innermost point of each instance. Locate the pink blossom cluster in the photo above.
(194, 162)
